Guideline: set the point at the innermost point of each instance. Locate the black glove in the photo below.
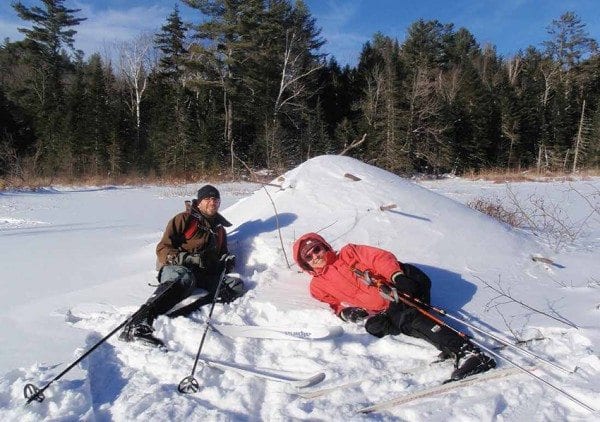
(405, 284)
(230, 264)
(186, 259)
(227, 261)
(353, 314)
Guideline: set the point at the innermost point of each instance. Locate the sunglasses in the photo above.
(313, 253)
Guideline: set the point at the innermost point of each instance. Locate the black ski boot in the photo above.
(470, 361)
(140, 329)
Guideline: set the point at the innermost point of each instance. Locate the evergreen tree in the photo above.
(425, 44)
(170, 133)
(44, 47)
(570, 42)
(424, 55)
(337, 95)
(221, 52)
(171, 42)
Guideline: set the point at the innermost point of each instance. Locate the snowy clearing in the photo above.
(77, 262)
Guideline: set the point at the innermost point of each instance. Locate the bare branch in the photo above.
(274, 208)
(503, 293)
(354, 144)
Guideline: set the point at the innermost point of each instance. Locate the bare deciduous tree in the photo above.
(449, 83)
(135, 59)
(372, 93)
(425, 130)
(580, 140)
(292, 87)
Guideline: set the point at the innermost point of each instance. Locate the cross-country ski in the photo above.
(294, 379)
(436, 390)
(279, 333)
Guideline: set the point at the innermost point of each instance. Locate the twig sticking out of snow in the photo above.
(274, 209)
(352, 177)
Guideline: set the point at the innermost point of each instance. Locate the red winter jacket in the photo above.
(337, 284)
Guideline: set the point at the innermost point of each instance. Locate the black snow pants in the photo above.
(179, 293)
(403, 319)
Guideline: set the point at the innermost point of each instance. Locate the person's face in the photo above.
(315, 257)
(209, 206)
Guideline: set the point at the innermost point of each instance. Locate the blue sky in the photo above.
(510, 25)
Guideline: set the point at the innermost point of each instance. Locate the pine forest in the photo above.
(249, 85)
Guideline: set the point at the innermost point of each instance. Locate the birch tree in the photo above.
(135, 63)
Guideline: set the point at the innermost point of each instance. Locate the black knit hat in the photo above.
(208, 191)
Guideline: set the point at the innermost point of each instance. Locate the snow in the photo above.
(77, 262)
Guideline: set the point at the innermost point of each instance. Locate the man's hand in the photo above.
(171, 259)
(353, 314)
(185, 258)
(229, 262)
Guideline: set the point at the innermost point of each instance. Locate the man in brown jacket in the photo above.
(190, 260)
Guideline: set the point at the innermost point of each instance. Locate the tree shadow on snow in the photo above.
(250, 229)
(448, 289)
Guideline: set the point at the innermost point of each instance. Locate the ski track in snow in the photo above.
(459, 248)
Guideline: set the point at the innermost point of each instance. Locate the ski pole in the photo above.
(189, 384)
(443, 312)
(528, 372)
(413, 303)
(506, 342)
(32, 392)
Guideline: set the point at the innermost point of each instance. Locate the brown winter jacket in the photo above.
(194, 233)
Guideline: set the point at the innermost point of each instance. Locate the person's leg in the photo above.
(381, 325)
(469, 359)
(176, 284)
(420, 326)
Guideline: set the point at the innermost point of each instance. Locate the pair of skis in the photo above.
(299, 380)
(415, 394)
(303, 381)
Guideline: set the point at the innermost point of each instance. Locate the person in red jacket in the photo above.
(344, 280)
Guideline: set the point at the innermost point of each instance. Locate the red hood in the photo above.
(330, 255)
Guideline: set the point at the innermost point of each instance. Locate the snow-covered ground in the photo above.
(76, 263)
